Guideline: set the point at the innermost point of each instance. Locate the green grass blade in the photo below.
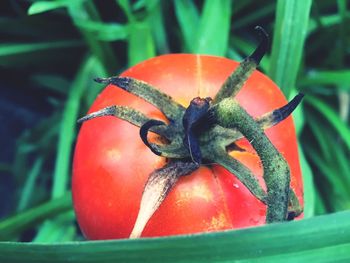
(68, 130)
(309, 186)
(85, 12)
(28, 189)
(332, 117)
(60, 229)
(141, 43)
(188, 19)
(336, 77)
(209, 33)
(156, 21)
(251, 18)
(288, 41)
(45, 6)
(14, 49)
(11, 226)
(214, 29)
(305, 239)
(104, 31)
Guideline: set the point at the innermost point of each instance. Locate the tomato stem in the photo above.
(242, 173)
(276, 170)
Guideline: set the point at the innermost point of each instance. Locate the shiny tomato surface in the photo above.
(111, 163)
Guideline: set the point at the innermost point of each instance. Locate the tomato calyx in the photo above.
(200, 134)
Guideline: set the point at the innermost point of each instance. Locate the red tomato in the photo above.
(111, 163)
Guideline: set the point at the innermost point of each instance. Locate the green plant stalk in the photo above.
(320, 239)
(230, 114)
(11, 226)
(289, 36)
(102, 51)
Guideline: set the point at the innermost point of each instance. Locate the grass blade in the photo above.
(188, 18)
(141, 44)
(45, 6)
(214, 28)
(303, 239)
(309, 186)
(14, 49)
(28, 189)
(68, 129)
(13, 225)
(332, 117)
(336, 77)
(288, 41)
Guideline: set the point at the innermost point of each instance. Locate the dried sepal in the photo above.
(157, 187)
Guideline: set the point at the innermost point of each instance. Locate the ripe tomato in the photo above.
(111, 163)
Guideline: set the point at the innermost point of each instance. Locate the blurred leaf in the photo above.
(326, 21)
(44, 6)
(11, 226)
(59, 230)
(292, 242)
(156, 21)
(51, 82)
(125, 5)
(188, 18)
(103, 31)
(209, 33)
(251, 18)
(288, 41)
(141, 44)
(340, 78)
(85, 12)
(214, 28)
(14, 49)
(68, 128)
(332, 117)
(28, 189)
(309, 187)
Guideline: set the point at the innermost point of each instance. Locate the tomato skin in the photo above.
(111, 163)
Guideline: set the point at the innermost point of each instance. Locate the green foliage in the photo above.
(57, 47)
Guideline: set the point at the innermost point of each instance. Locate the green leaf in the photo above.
(28, 189)
(103, 31)
(332, 117)
(288, 41)
(141, 43)
(11, 226)
(44, 6)
(214, 29)
(339, 78)
(156, 21)
(68, 130)
(292, 242)
(208, 34)
(188, 18)
(9, 49)
(309, 187)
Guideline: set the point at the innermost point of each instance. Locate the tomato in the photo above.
(111, 163)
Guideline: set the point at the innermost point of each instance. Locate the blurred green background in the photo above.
(51, 50)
